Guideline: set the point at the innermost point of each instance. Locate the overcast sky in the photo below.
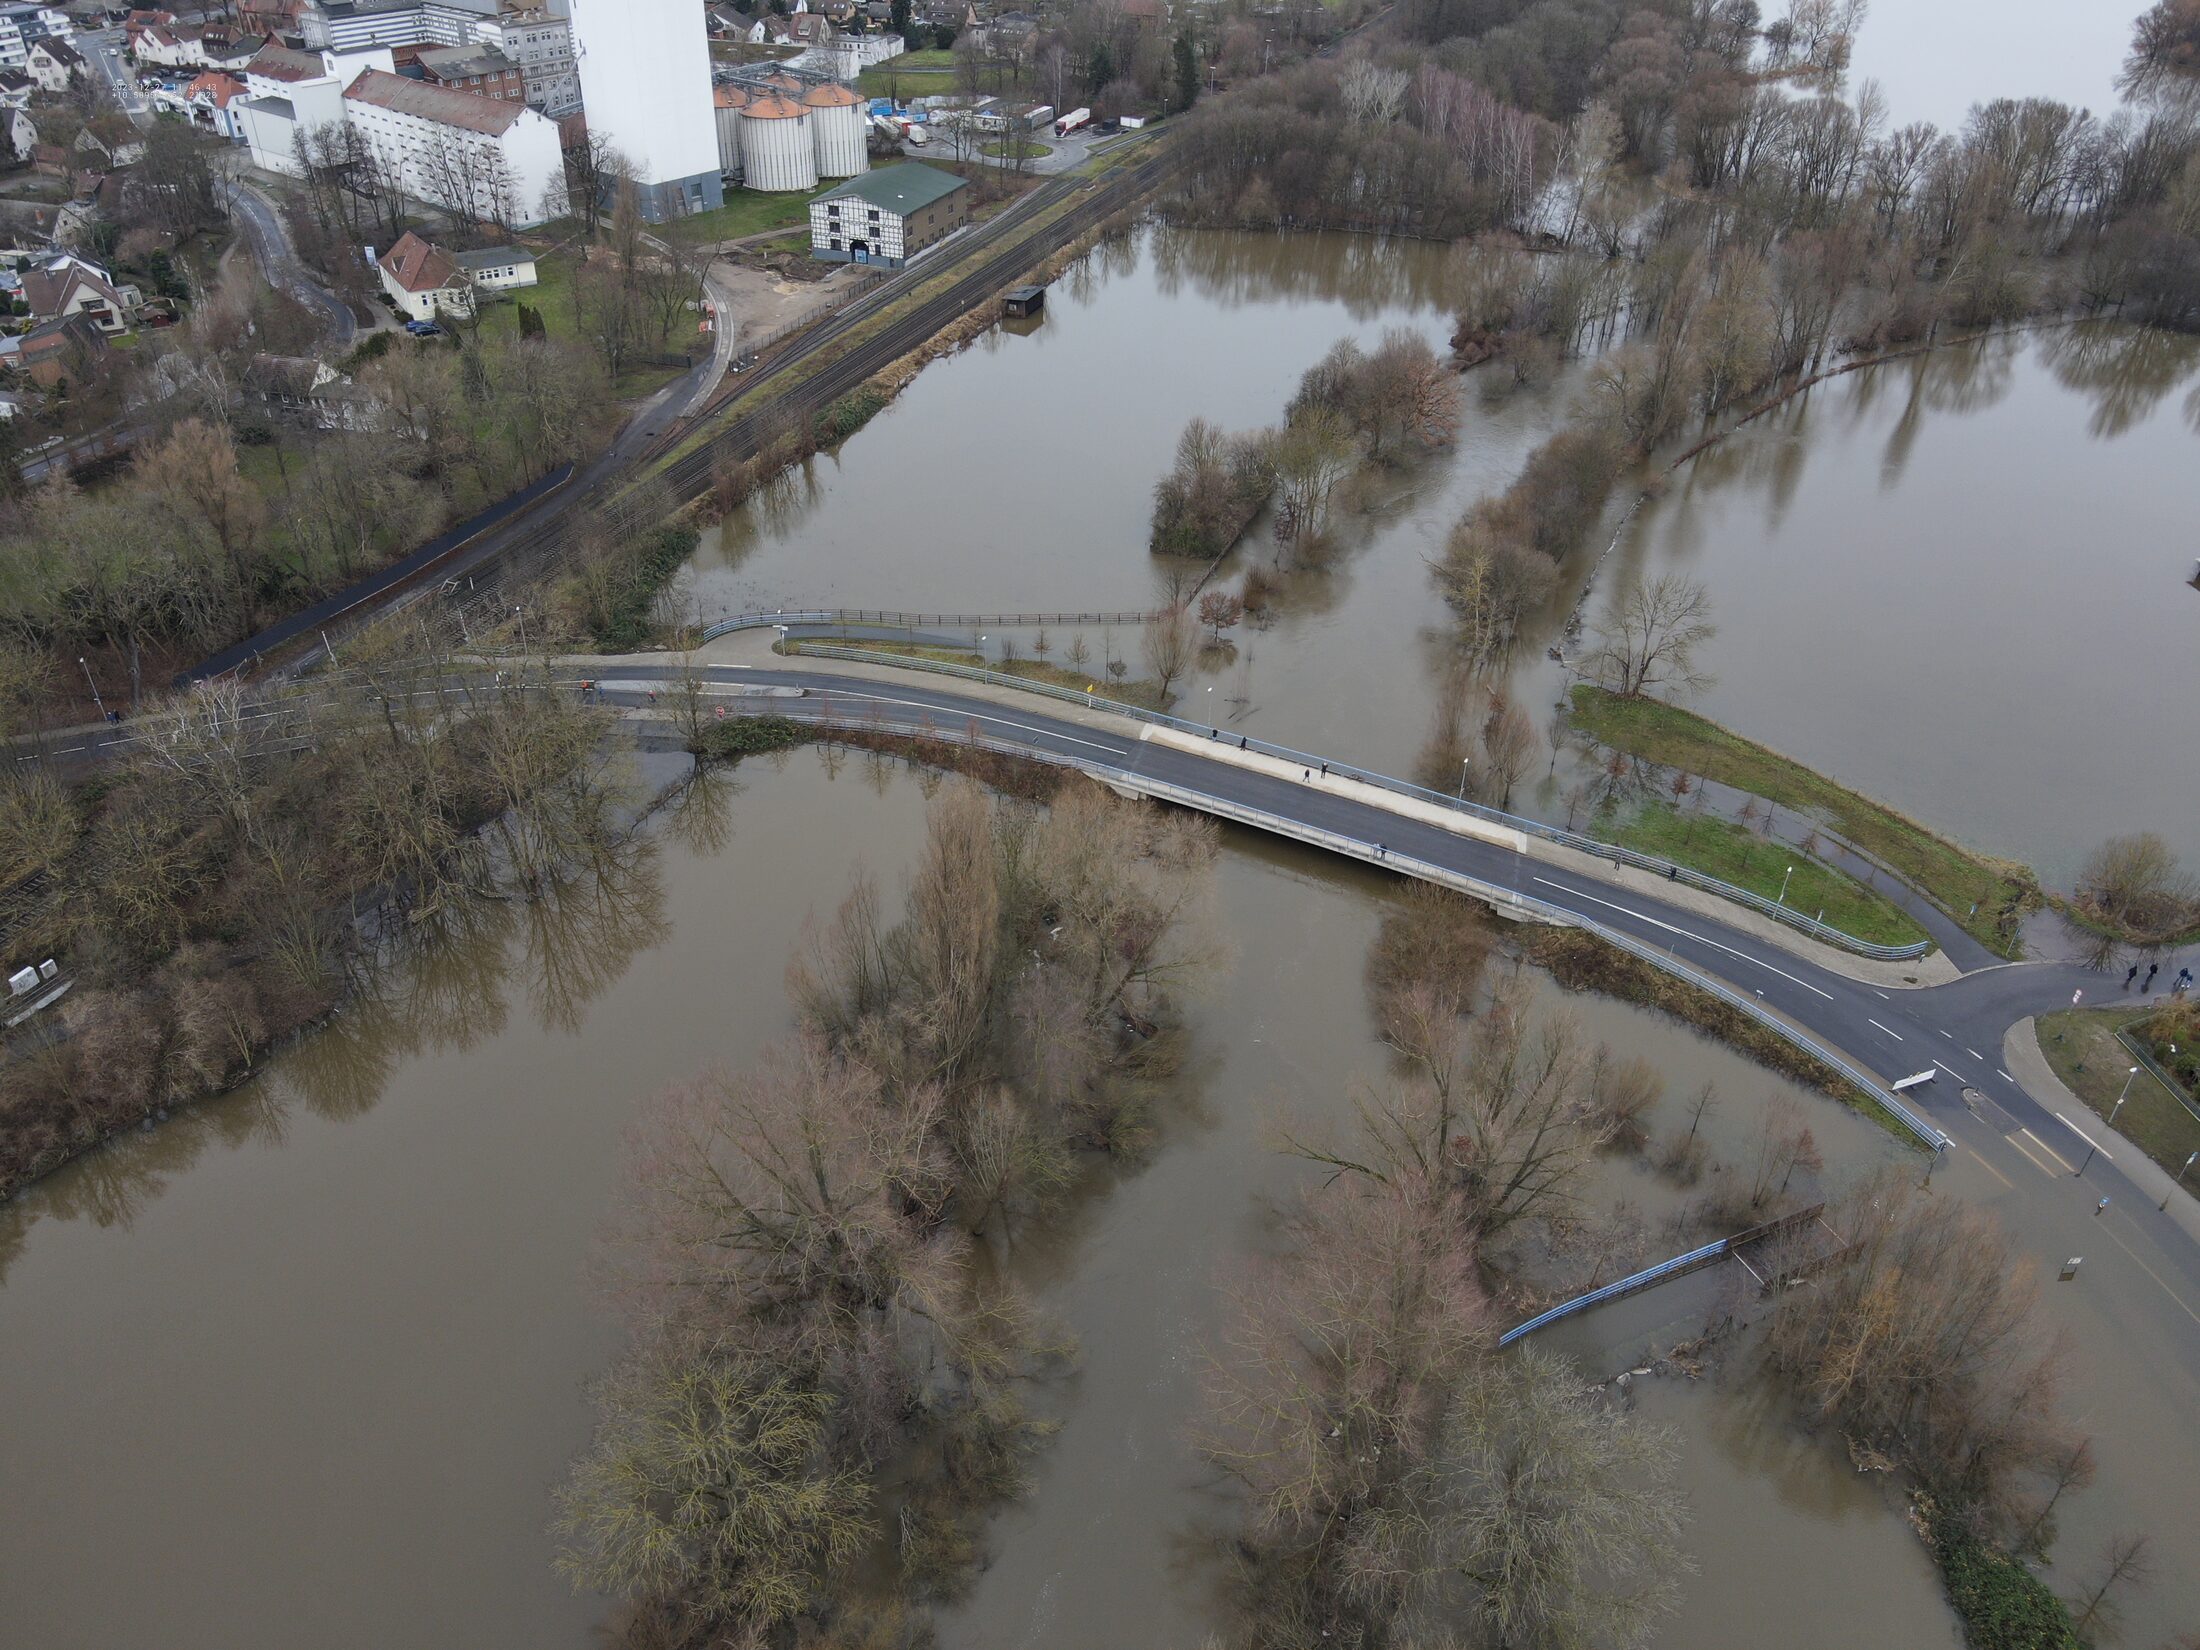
(1938, 57)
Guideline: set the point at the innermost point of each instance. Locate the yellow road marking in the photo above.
(2049, 1150)
(2029, 1156)
(2156, 1276)
(1990, 1169)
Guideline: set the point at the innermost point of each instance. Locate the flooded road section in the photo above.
(1985, 546)
(304, 1366)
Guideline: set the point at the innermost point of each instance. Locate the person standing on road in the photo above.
(2152, 970)
(2133, 975)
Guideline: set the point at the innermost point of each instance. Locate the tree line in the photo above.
(799, 1250)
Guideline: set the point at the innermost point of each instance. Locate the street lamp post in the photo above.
(2121, 1098)
(1784, 884)
(1465, 762)
(2180, 1180)
(521, 615)
(94, 686)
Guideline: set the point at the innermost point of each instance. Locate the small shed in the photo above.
(1024, 300)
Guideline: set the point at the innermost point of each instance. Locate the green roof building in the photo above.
(888, 216)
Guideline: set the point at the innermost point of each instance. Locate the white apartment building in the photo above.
(541, 43)
(355, 25)
(495, 161)
(291, 93)
(645, 81)
(14, 50)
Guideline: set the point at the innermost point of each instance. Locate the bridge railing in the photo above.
(1676, 1267)
(895, 619)
(1777, 910)
(1526, 905)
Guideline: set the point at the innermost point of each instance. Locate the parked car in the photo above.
(423, 329)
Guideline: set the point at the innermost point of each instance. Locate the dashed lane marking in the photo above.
(1896, 1035)
(2049, 1150)
(2152, 1273)
(1639, 916)
(1990, 1169)
(2029, 1157)
(2006, 1078)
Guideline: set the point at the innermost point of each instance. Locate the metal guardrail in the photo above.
(2139, 1053)
(1676, 1267)
(1095, 700)
(893, 619)
(1425, 870)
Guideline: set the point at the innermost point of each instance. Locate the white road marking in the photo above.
(1952, 1072)
(1684, 934)
(2029, 1157)
(2006, 1078)
(1896, 1035)
(1974, 1054)
(2081, 1134)
(1950, 1039)
(1115, 751)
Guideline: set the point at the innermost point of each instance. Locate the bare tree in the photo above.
(1651, 640)
(2126, 1562)
(1168, 643)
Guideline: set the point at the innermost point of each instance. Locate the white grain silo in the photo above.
(776, 151)
(837, 130)
(729, 101)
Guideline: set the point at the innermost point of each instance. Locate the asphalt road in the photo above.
(279, 262)
(1954, 1030)
(103, 48)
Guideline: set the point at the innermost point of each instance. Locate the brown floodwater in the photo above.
(303, 1366)
(1984, 546)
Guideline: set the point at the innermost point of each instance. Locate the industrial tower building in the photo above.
(645, 87)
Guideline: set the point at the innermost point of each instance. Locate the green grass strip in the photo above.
(1989, 897)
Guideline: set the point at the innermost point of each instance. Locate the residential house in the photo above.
(497, 268)
(139, 21)
(477, 69)
(493, 160)
(15, 89)
(169, 46)
(887, 216)
(67, 285)
(424, 281)
(53, 64)
(209, 103)
(305, 391)
(68, 351)
(22, 132)
(111, 139)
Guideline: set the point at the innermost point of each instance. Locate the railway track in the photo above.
(997, 253)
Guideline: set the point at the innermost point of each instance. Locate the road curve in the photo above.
(269, 238)
(1954, 1030)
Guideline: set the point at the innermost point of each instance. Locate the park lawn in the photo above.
(1018, 149)
(1734, 853)
(2081, 1046)
(747, 212)
(552, 298)
(904, 83)
(1988, 897)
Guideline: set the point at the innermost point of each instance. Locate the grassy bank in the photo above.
(1734, 853)
(1089, 680)
(2081, 1046)
(1989, 897)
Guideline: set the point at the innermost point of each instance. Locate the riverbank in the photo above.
(1987, 897)
(1734, 853)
